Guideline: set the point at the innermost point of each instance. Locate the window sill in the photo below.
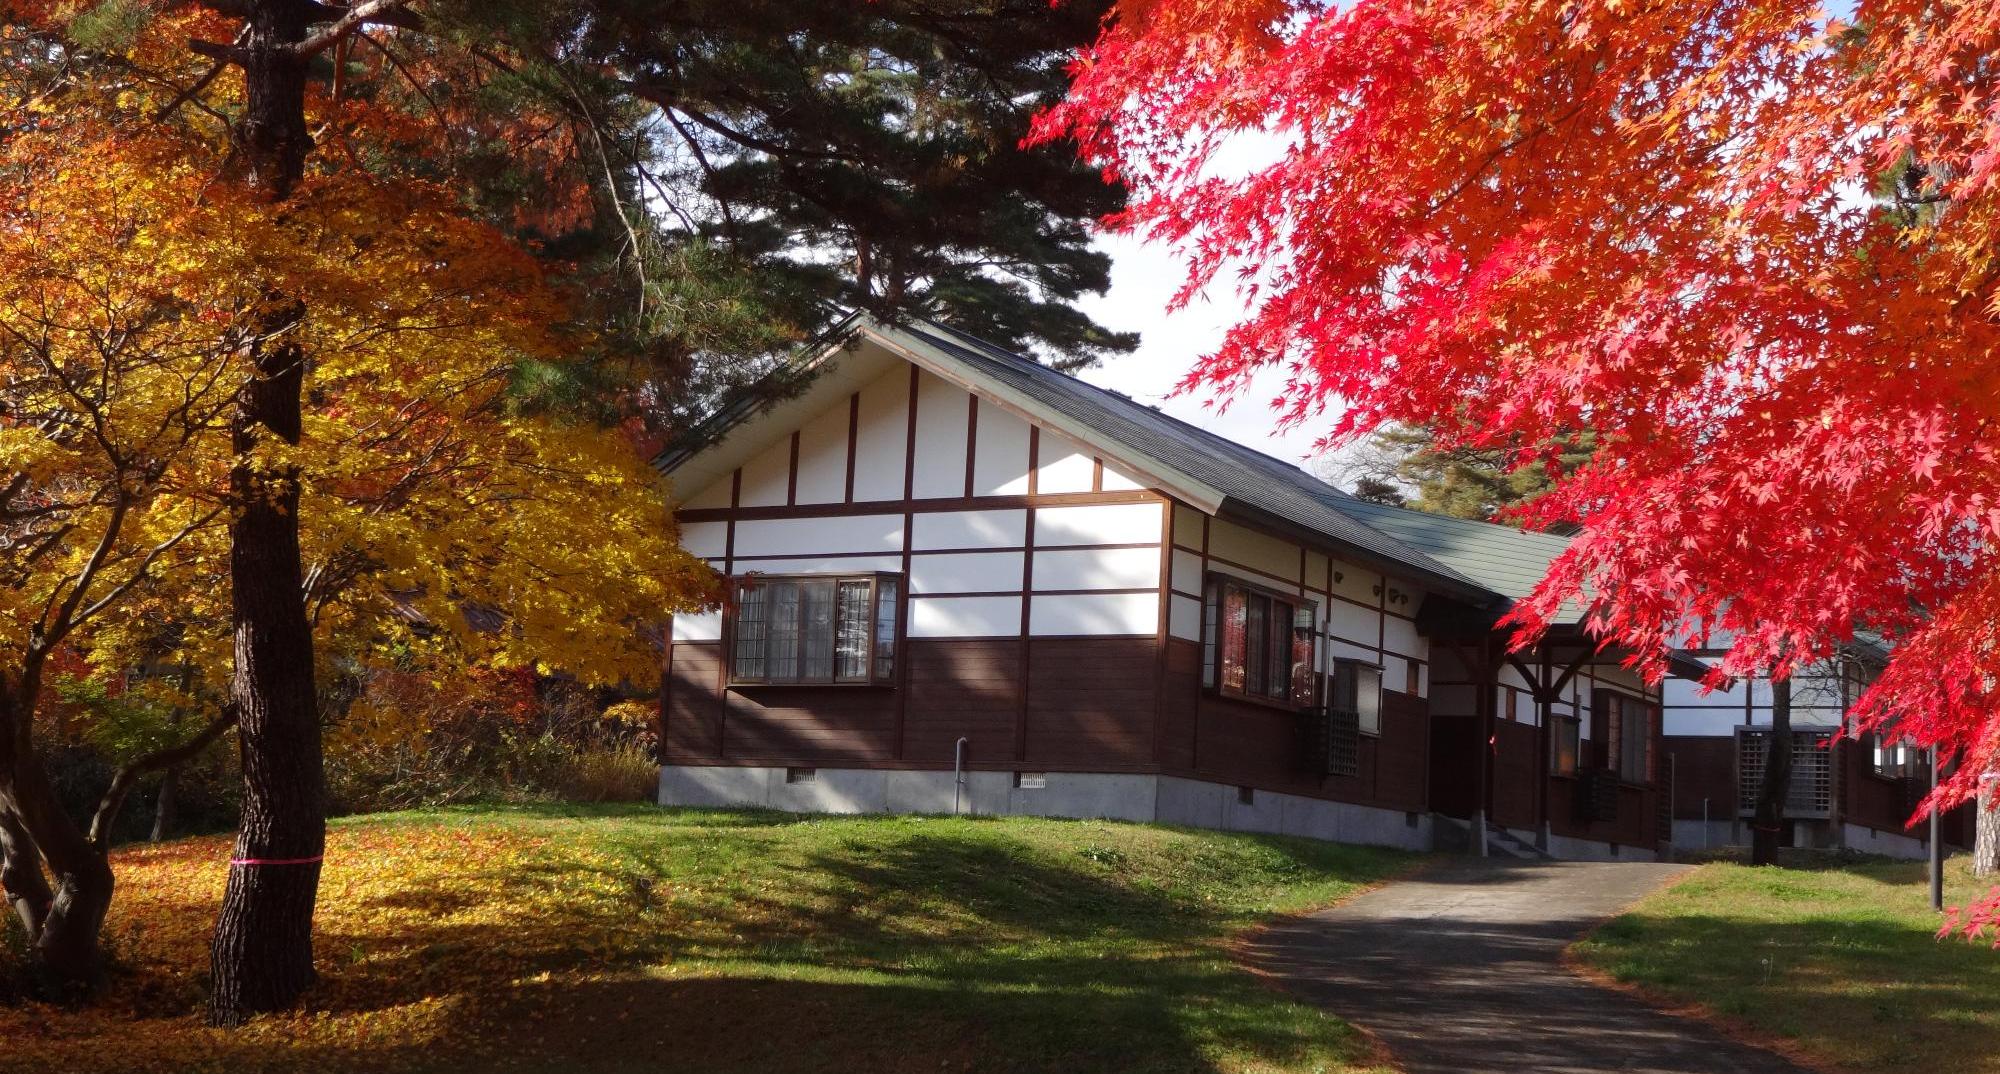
(1260, 702)
(760, 685)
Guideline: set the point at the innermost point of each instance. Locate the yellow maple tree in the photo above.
(135, 290)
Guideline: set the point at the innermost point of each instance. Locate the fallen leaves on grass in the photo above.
(422, 930)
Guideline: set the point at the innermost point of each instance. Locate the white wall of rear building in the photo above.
(1821, 694)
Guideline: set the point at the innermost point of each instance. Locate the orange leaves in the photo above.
(420, 926)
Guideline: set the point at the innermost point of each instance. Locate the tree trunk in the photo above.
(1768, 822)
(262, 956)
(65, 911)
(163, 806)
(1986, 844)
(21, 875)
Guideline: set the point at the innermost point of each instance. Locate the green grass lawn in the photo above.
(632, 938)
(1836, 959)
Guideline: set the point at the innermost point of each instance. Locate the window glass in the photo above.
(1211, 609)
(1302, 660)
(1357, 688)
(782, 663)
(1258, 645)
(1256, 648)
(751, 602)
(888, 607)
(1368, 697)
(1234, 628)
(1564, 734)
(852, 631)
(815, 629)
(1635, 738)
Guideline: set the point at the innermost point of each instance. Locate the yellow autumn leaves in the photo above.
(129, 285)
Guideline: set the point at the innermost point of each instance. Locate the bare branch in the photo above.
(121, 783)
(383, 12)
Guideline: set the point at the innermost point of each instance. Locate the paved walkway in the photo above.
(1457, 972)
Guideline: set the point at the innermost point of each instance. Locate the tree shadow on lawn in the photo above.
(918, 951)
(771, 1025)
(1872, 991)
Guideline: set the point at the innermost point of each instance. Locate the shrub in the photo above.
(625, 773)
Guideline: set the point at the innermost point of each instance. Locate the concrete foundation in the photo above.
(1113, 796)
(1889, 844)
(1706, 835)
(1810, 834)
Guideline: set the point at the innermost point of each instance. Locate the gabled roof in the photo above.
(1240, 477)
(1483, 564)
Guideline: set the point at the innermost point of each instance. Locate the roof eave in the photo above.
(1456, 588)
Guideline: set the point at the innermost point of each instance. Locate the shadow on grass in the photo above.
(711, 942)
(1866, 986)
(763, 1025)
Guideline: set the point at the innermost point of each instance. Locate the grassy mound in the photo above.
(629, 938)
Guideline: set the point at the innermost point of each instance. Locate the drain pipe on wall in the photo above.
(958, 775)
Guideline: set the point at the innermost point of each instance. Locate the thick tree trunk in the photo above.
(262, 951)
(1986, 843)
(1767, 824)
(67, 951)
(65, 911)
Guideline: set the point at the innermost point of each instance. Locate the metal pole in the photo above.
(957, 774)
(1673, 797)
(1937, 841)
(1704, 824)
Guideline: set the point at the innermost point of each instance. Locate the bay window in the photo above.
(1258, 644)
(815, 628)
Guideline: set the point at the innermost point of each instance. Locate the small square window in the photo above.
(1031, 781)
(1246, 796)
(801, 775)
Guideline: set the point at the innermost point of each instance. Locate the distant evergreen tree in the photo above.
(1405, 467)
(722, 177)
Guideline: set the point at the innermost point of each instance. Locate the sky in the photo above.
(1144, 278)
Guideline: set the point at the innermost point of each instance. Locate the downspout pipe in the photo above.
(958, 774)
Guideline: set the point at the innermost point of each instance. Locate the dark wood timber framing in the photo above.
(1129, 703)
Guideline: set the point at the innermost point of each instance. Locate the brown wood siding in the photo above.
(824, 724)
(1090, 700)
(1397, 767)
(962, 688)
(1515, 769)
(1179, 709)
(1703, 767)
(1636, 825)
(1870, 800)
(1259, 746)
(693, 706)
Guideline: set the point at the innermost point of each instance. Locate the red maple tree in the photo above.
(1750, 245)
